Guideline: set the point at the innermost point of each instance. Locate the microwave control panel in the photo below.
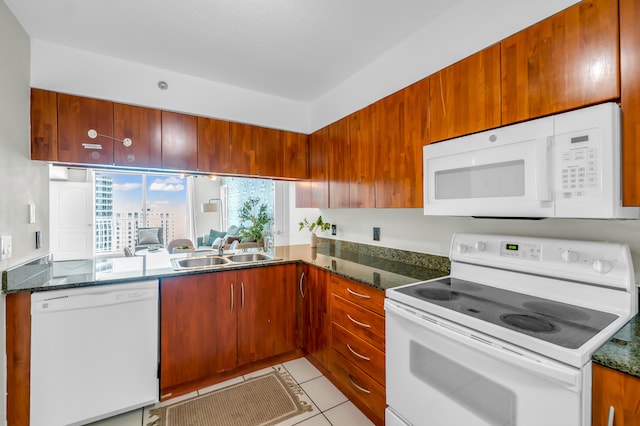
(579, 164)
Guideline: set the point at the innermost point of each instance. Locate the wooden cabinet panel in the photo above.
(339, 164)
(143, 126)
(316, 323)
(362, 154)
(242, 157)
(18, 346)
(360, 294)
(76, 116)
(179, 141)
(359, 387)
(358, 352)
(402, 129)
(315, 193)
(270, 151)
(630, 100)
(213, 145)
(296, 155)
(611, 388)
(566, 61)
(267, 323)
(359, 321)
(44, 125)
(465, 97)
(197, 327)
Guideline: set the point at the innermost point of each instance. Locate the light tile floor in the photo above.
(330, 406)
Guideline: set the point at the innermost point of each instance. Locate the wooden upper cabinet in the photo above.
(44, 125)
(630, 100)
(243, 154)
(213, 145)
(179, 141)
(315, 192)
(143, 127)
(270, 151)
(339, 164)
(402, 129)
(78, 115)
(362, 157)
(296, 155)
(566, 61)
(465, 97)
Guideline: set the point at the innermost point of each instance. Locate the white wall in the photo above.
(21, 181)
(66, 70)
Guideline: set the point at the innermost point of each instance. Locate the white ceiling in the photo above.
(296, 49)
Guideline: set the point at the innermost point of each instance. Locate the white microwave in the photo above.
(566, 165)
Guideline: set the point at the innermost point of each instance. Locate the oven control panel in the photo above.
(601, 263)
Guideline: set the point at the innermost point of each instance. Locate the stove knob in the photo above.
(480, 246)
(602, 266)
(462, 248)
(570, 256)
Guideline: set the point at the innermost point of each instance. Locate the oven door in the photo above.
(503, 172)
(439, 373)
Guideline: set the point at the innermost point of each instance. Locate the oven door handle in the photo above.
(552, 370)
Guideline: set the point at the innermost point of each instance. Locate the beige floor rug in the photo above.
(260, 401)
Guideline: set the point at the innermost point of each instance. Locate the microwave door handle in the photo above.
(543, 152)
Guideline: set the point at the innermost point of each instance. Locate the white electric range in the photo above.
(507, 337)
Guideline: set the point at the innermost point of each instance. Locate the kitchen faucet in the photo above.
(221, 248)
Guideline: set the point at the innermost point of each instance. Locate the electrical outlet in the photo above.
(376, 234)
(334, 229)
(5, 247)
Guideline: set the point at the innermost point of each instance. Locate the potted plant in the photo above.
(313, 227)
(254, 218)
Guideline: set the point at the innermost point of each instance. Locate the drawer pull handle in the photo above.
(360, 388)
(361, 324)
(91, 146)
(364, 296)
(366, 358)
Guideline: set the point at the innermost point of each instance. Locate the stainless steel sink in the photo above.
(199, 262)
(249, 257)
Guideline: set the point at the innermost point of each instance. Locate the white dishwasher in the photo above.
(94, 352)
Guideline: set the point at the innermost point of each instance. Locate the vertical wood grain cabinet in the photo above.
(179, 141)
(566, 61)
(44, 125)
(214, 322)
(339, 164)
(316, 323)
(621, 391)
(296, 155)
(362, 158)
(315, 191)
(143, 127)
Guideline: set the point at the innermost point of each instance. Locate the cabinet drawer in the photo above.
(359, 353)
(359, 385)
(359, 321)
(360, 294)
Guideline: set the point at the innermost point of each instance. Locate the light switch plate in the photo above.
(5, 247)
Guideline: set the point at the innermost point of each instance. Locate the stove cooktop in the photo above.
(562, 324)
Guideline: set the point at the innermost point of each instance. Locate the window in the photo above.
(125, 202)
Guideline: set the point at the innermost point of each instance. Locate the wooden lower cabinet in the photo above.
(316, 323)
(215, 322)
(621, 391)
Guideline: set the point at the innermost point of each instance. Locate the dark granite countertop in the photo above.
(359, 265)
(622, 351)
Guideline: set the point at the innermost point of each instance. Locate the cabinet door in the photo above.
(630, 100)
(362, 161)
(316, 322)
(270, 149)
(339, 164)
(296, 155)
(465, 97)
(44, 125)
(566, 61)
(213, 145)
(402, 129)
(143, 127)
(76, 116)
(243, 155)
(621, 391)
(197, 327)
(315, 192)
(267, 312)
(179, 141)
